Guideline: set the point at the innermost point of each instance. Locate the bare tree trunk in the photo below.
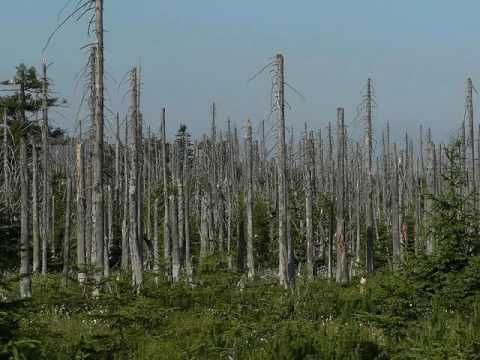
(370, 229)
(186, 175)
(396, 212)
(81, 263)
(249, 204)
(125, 223)
(25, 280)
(6, 185)
(332, 199)
(35, 216)
(308, 178)
(52, 229)
(166, 221)
(471, 142)
(430, 189)
(176, 266)
(109, 227)
(134, 221)
(117, 163)
(46, 172)
(342, 261)
(98, 147)
(180, 207)
(156, 263)
(204, 246)
(282, 177)
(136, 257)
(66, 238)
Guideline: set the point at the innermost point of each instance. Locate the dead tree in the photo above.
(126, 214)
(134, 239)
(25, 280)
(46, 172)
(25, 270)
(249, 203)
(66, 238)
(370, 229)
(35, 215)
(81, 256)
(98, 200)
(342, 245)
(471, 141)
(166, 221)
(308, 181)
(283, 272)
(396, 245)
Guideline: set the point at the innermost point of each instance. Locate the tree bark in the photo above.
(98, 200)
(66, 238)
(283, 273)
(35, 215)
(249, 204)
(25, 280)
(342, 257)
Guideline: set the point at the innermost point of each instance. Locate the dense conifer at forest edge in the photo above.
(230, 246)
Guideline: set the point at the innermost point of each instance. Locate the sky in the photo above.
(418, 53)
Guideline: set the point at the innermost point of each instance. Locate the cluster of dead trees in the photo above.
(135, 204)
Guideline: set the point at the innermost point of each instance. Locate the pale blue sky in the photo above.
(419, 54)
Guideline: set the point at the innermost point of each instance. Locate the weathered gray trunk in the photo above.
(53, 243)
(66, 237)
(109, 228)
(204, 245)
(125, 223)
(430, 191)
(176, 265)
(46, 172)
(6, 185)
(471, 142)
(156, 263)
(370, 229)
(98, 200)
(136, 256)
(283, 273)
(135, 238)
(166, 222)
(342, 245)
(180, 209)
(35, 215)
(186, 188)
(25, 280)
(249, 204)
(395, 212)
(81, 261)
(308, 180)
(331, 181)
